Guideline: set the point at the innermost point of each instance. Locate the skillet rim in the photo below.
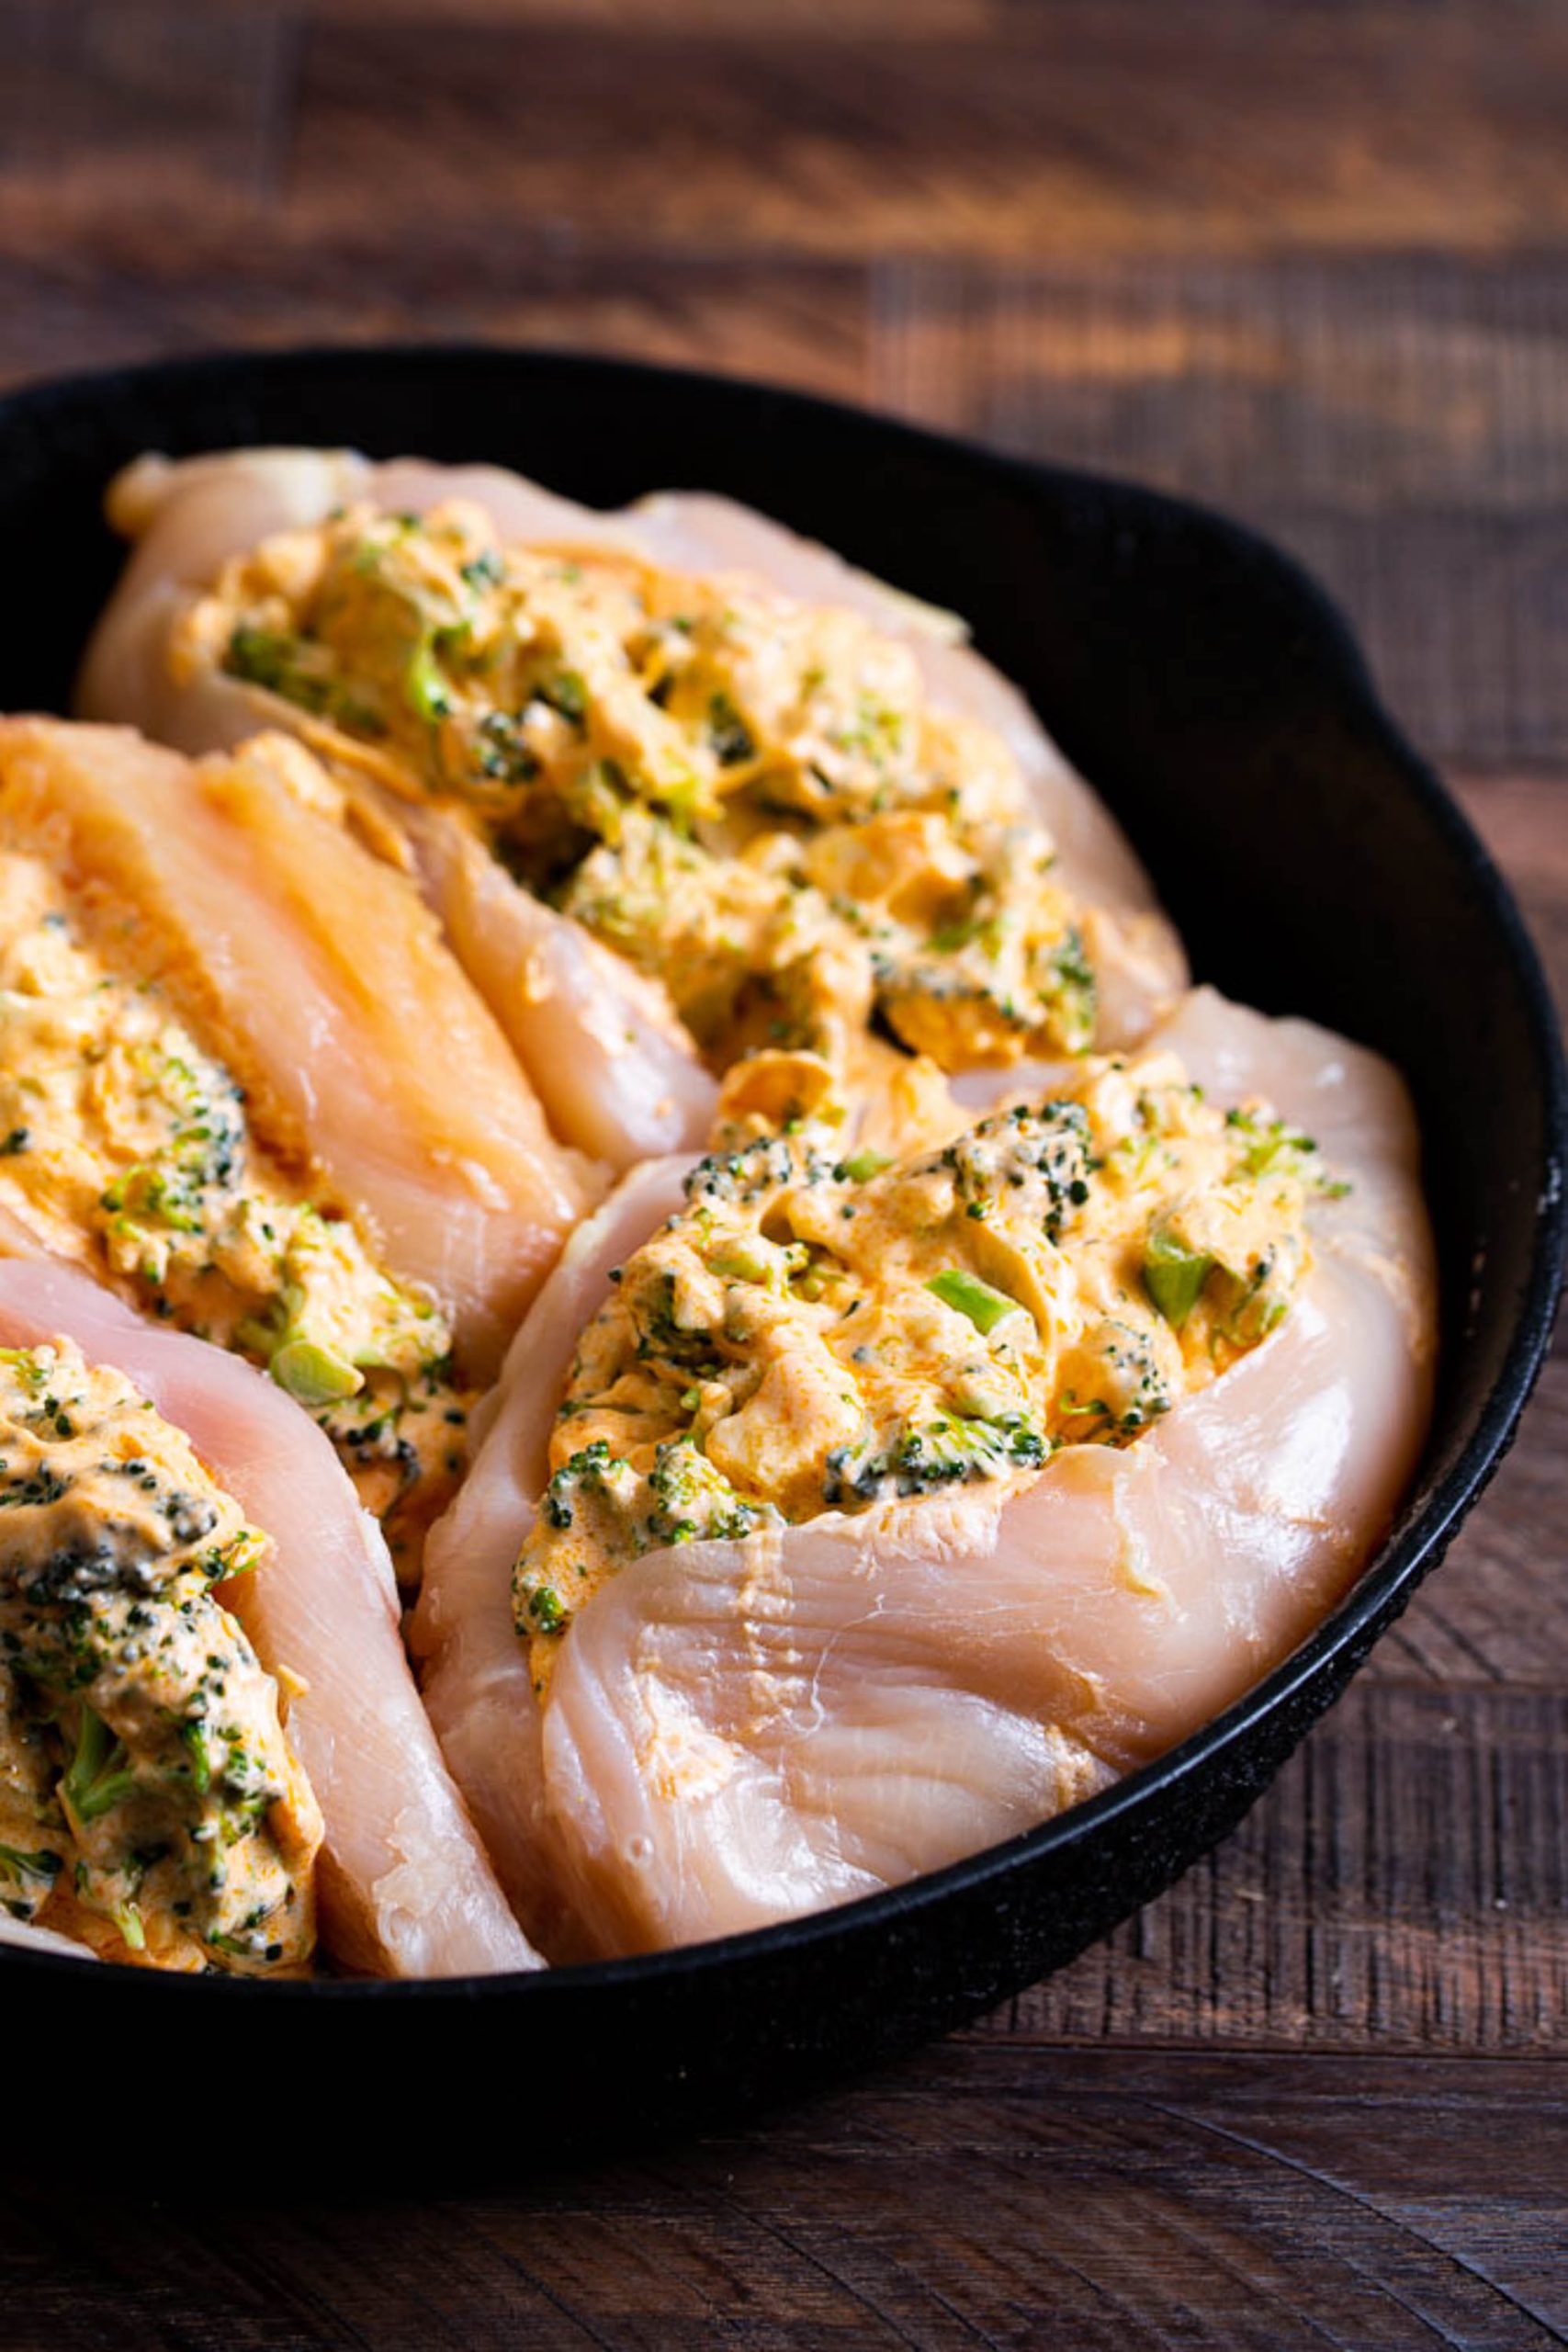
(1429, 1517)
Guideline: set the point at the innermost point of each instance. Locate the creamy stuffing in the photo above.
(122, 1142)
(747, 797)
(150, 1804)
(811, 1333)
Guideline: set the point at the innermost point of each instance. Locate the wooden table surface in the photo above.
(1311, 263)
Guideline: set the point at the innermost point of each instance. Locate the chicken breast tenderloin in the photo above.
(737, 1733)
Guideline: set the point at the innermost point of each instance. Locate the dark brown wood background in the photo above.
(1310, 262)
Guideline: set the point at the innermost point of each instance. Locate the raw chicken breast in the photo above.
(312, 969)
(406, 1887)
(738, 1732)
(616, 1079)
(617, 1073)
(185, 521)
(27, 1938)
(477, 1687)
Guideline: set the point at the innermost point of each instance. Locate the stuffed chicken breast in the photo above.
(243, 1082)
(149, 1799)
(211, 1745)
(992, 1360)
(806, 822)
(838, 1519)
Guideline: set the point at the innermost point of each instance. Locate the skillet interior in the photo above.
(1314, 866)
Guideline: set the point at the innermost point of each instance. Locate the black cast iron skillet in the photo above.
(1314, 866)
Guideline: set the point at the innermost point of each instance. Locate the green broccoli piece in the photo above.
(594, 1469)
(967, 1294)
(948, 1449)
(694, 1503)
(1174, 1275)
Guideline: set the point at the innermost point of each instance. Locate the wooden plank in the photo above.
(818, 19)
(155, 108)
(1084, 126)
(973, 2196)
(1090, 126)
(1457, 615)
(1370, 384)
(120, 295)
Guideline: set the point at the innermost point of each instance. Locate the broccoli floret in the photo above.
(1174, 1275)
(266, 657)
(1273, 1148)
(695, 1504)
(592, 1470)
(1261, 1294)
(1134, 1388)
(728, 734)
(567, 693)
(425, 687)
(1031, 1159)
(27, 1880)
(966, 967)
(484, 570)
(301, 672)
(499, 753)
(760, 1167)
(860, 1167)
(652, 1308)
(967, 1294)
(594, 1481)
(945, 1449)
(1069, 985)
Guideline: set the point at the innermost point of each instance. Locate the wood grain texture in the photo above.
(1305, 259)
(123, 297)
(1108, 2202)
(1104, 125)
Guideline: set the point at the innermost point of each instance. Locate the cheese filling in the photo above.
(125, 1146)
(747, 797)
(149, 1802)
(810, 1333)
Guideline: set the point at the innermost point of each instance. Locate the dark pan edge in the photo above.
(1334, 1649)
